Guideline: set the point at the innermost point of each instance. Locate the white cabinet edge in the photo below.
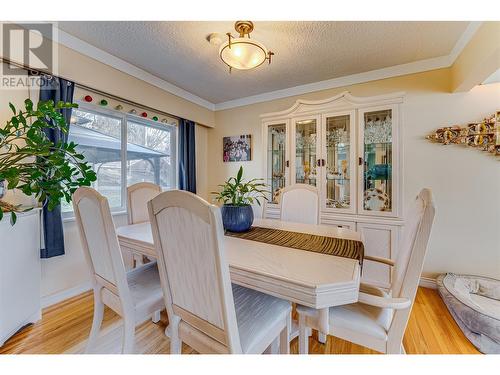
(20, 273)
(20, 215)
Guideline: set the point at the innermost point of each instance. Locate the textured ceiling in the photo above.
(305, 52)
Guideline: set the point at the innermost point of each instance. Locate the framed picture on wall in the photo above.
(237, 148)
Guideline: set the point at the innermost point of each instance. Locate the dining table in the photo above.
(309, 278)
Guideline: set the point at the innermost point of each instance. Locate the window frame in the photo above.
(124, 118)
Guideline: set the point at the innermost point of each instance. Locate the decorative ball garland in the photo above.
(119, 107)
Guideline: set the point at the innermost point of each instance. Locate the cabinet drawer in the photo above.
(381, 241)
(340, 223)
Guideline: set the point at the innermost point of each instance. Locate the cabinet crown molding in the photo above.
(342, 100)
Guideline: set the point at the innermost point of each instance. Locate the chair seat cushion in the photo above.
(357, 317)
(361, 318)
(256, 314)
(144, 284)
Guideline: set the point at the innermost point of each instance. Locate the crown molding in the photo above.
(464, 40)
(100, 55)
(392, 71)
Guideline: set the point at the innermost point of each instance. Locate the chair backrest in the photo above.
(188, 237)
(138, 196)
(300, 204)
(413, 237)
(99, 241)
(411, 256)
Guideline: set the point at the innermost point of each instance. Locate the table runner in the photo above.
(304, 241)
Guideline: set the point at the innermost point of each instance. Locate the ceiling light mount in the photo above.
(243, 28)
(243, 53)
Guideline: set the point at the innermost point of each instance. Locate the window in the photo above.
(123, 150)
(150, 148)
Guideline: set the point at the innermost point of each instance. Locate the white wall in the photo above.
(465, 182)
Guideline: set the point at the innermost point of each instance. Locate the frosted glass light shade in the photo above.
(243, 53)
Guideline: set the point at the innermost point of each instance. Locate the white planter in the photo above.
(19, 273)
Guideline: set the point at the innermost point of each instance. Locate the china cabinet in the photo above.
(349, 148)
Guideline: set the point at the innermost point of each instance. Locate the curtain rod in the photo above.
(96, 91)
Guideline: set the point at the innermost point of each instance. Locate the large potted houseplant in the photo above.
(238, 195)
(32, 163)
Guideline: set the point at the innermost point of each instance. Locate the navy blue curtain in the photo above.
(187, 156)
(56, 89)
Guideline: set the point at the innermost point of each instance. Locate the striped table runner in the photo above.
(304, 241)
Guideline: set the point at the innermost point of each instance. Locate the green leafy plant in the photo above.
(238, 192)
(32, 163)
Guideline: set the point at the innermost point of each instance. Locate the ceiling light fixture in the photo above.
(243, 53)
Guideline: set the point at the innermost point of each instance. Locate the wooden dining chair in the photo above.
(205, 311)
(138, 196)
(378, 320)
(300, 204)
(134, 295)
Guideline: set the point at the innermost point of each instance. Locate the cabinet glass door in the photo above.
(338, 163)
(377, 160)
(276, 159)
(305, 151)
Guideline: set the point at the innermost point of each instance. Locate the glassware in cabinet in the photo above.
(305, 151)
(276, 159)
(338, 163)
(377, 160)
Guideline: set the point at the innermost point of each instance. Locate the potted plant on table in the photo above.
(32, 163)
(238, 195)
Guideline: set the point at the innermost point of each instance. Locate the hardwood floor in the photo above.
(65, 327)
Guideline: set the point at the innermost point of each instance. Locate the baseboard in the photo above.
(52, 299)
(428, 282)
